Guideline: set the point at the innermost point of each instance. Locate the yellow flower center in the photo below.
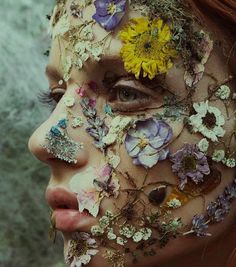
(143, 142)
(111, 8)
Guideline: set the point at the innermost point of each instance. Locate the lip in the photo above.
(68, 220)
(66, 214)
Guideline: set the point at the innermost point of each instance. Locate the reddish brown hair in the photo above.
(219, 15)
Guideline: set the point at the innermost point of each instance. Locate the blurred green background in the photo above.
(24, 215)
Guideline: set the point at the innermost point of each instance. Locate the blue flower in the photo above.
(146, 143)
(109, 13)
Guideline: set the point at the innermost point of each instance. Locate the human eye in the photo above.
(126, 98)
(51, 97)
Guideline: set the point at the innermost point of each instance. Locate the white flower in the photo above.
(207, 121)
(62, 26)
(174, 203)
(109, 214)
(138, 236)
(118, 124)
(96, 51)
(231, 162)
(175, 224)
(113, 160)
(87, 33)
(218, 155)
(111, 235)
(121, 241)
(67, 65)
(203, 145)
(127, 231)
(77, 122)
(147, 232)
(104, 221)
(234, 96)
(223, 92)
(69, 101)
(96, 230)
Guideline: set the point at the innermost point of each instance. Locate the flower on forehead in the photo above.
(109, 13)
(208, 121)
(147, 141)
(204, 48)
(80, 249)
(147, 49)
(106, 182)
(87, 195)
(190, 162)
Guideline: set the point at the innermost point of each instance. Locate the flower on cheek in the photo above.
(87, 195)
(147, 141)
(208, 121)
(106, 182)
(190, 162)
(109, 13)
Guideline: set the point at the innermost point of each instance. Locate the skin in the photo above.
(210, 251)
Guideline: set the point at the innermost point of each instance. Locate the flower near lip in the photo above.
(87, 195)
(208, 121)
(147, 141)
(147, 48)
(80, 249)
(190, 162)
(109, 13)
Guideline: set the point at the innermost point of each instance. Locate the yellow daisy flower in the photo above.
(147, 47)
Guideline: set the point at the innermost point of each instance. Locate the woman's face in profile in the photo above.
(141, 139)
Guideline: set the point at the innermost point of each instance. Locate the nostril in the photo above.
(63, 207)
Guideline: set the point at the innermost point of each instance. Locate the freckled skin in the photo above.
(182, 251)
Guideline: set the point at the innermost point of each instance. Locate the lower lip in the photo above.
(72, 220)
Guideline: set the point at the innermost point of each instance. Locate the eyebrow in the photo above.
(52, 72)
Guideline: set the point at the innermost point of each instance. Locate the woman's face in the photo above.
(124, 152)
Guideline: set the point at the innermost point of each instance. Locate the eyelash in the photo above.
(49, 98)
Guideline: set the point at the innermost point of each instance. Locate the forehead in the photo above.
(59, 45)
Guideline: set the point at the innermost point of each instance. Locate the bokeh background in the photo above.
(24, 215)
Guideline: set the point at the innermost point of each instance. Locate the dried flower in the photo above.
(190, 162)
(218, 155)
(127, 231)
(203, 145)
(61, 27)
(115, 258)
(230, 162)
(199, 226)
(147, 141)
(223, 92)
(69, 101)
(208, 121)
(138, 236)
(121, 241)
(174, 203)
(77, 122)
(80, 249)
(109, 13)
(147, 48)
(96, 230)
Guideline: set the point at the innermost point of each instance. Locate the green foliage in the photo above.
(24, 212)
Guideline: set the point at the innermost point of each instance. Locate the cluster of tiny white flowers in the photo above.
(203, 145)
(223, 92)
(174, 203)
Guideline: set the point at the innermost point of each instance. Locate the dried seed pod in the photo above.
(158, 195)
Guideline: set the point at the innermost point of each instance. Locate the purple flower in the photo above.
(109, 13)
(199, 225)
(190, 162)
(147, 141)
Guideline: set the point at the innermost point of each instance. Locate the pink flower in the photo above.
(80, 91)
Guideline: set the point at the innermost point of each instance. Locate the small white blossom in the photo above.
(113, 160)
(174, 203)
(175, 224)
(87, 33)
(234, 96)
(212, 116)
(62, 26)
(104, 221)
(77, 122)
(127, 231)
(111, 235)
(96, 230)
(67, 66)
(223, 92)
(121, 241)
(69, 101)
(203, 145)
(109, 214)
(218, 155)
(147, 232)
(231, 162)
(138, 236)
